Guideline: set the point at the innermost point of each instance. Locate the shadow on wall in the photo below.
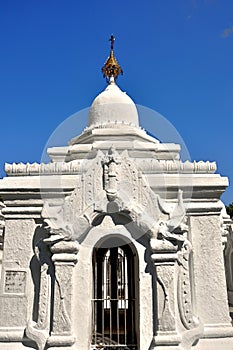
(41, 256)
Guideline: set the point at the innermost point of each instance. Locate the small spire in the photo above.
(112, 39)
(111, 68)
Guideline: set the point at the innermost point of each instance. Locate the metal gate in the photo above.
(113, 305)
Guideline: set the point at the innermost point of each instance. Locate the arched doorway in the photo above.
(115, 296)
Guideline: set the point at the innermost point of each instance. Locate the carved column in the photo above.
(64, 258)
(164, 257)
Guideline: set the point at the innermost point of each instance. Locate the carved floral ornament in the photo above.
(113, 186)
(154, 166)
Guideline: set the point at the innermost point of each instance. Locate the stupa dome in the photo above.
(112, 107)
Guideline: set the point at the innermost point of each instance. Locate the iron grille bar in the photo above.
(113, 302)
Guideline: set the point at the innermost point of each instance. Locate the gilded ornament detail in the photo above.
(111, 67)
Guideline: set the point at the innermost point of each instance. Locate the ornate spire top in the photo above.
(111, 68)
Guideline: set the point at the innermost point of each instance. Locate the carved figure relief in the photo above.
(170, 242)
(103, 190)
(111, 184)
(165, 276)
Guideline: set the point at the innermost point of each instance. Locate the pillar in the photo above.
(64, 258)
(164, 257)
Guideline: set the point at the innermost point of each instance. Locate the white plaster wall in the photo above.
(15, 307)
(209, 278)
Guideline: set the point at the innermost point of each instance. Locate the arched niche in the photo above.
(115, 301)
(105, 236)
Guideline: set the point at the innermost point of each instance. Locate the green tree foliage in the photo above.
(229, 209)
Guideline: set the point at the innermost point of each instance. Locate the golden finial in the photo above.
(111, 67)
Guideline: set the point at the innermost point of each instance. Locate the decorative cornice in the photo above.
(18, 169)
(176, 166)
(152, 166)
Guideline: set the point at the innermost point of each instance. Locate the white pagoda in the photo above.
(115, 243)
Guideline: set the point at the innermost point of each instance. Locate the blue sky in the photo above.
(176, 56)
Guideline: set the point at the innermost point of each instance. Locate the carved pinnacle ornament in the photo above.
(111, 67)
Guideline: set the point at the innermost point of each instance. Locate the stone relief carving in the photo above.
(64, 258)
(39, 331)
(110, 175)
(62, 322)
(57, 259)
(171, 252)
(165, 277)
(184, 288)
(60, 226)
(113, 185)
